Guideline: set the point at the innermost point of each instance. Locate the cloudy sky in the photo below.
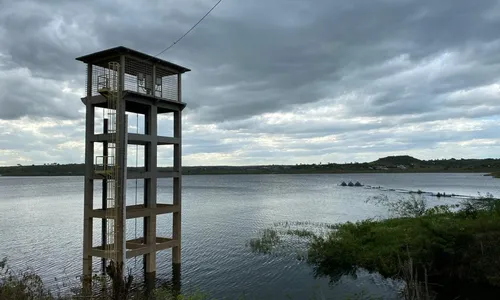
(281, 81)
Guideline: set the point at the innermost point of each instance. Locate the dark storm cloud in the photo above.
(274, 57)
(403, 63)
(334, 40)
(21, 97)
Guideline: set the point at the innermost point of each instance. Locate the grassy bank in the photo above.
(434, 250)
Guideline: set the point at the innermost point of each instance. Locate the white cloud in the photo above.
(349, 81)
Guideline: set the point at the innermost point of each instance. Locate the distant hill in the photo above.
(397, 160)
(401, 163)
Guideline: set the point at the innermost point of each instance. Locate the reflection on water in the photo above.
(41, 220)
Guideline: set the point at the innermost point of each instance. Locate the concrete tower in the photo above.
(122, 80)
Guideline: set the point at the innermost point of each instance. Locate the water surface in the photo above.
(41, 227)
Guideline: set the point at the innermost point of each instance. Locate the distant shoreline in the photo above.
(488, 174)
(390, 164)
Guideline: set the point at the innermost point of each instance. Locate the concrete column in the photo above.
(88, 184)
(150, 189)
(121, 178)
(176, 279)
(104, 221)
(176, 226)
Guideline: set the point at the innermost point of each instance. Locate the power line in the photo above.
(173, 44)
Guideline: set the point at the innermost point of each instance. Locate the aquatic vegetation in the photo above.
(444, 245)
(267, 242)
(414, 206)
(286, 238)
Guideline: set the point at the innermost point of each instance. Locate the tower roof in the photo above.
(102, 57)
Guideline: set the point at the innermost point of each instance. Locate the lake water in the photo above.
(41, 227)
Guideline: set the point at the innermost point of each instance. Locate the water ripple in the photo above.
(41, 221)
